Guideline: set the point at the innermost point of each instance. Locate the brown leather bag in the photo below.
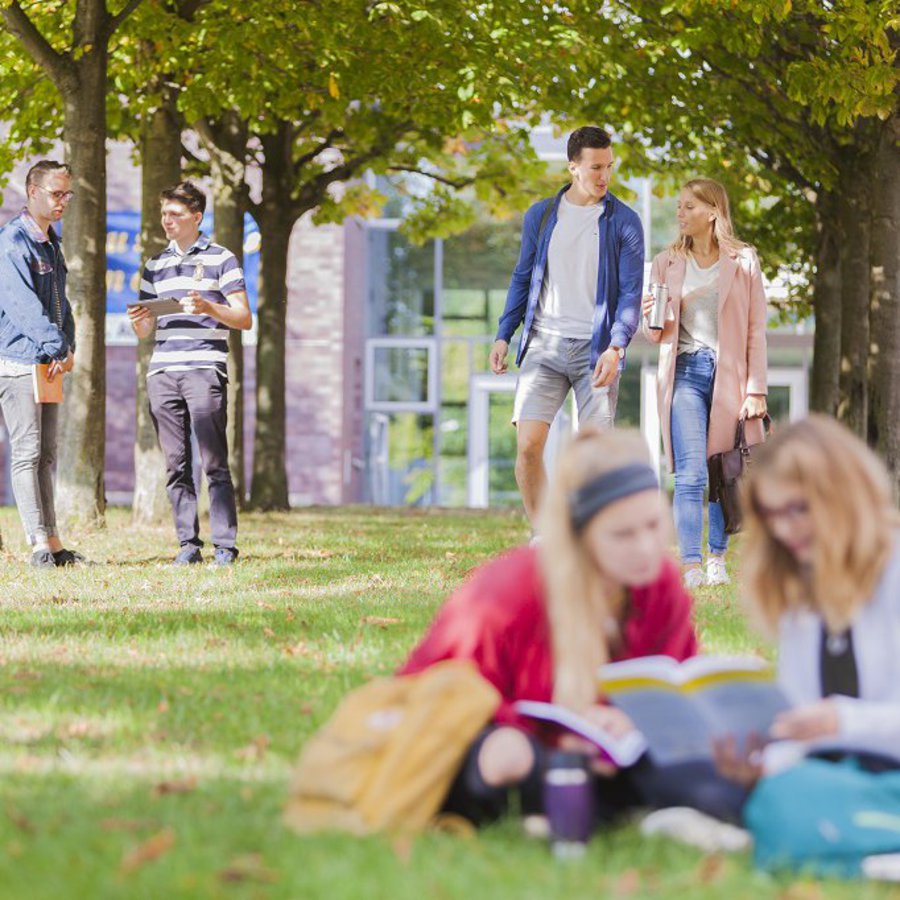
(725, 470)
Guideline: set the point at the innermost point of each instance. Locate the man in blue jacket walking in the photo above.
(577, 287)
(36, 326)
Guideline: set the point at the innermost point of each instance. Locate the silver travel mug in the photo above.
(657, 317)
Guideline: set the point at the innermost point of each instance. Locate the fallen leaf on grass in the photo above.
(148, 851)
(402, 847)
(182, 786)
(267, 632)
(255, 750)
(114, 824)
(711, 868)
(21, 821)
(627, 884)
(380, 621)
(249, 867)
(802, 890)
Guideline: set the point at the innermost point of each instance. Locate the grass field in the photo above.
(150, 718)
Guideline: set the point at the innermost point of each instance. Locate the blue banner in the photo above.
(123, 257)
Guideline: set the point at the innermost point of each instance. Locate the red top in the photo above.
(498, 620)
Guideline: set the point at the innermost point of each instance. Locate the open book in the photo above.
(681, 707)
(623, 751)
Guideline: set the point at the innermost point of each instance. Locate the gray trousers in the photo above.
(179, 402)
(32, 440)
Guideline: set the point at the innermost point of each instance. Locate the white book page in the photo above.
(623, 751)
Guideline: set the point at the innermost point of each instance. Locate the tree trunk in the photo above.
(82, 438)
(276, 219)
(226, 143)
(160, 168)
(827, 307)
(856, 227)
(884, 386)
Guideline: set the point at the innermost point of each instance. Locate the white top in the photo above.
(11, 369)
(699, 323)
(871, 721)
(569, 292)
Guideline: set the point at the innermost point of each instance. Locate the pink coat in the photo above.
(741, 351)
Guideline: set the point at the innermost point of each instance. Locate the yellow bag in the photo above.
(386, 758)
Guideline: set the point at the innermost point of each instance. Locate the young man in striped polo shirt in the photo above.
(187, 377)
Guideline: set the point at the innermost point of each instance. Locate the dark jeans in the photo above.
(178, 401)
(695, 784)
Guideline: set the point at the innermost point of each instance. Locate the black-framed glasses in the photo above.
(59, 196)
(790, 512)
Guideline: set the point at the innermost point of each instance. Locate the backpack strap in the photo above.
(545, 218)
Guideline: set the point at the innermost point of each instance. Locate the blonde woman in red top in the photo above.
(539, 622)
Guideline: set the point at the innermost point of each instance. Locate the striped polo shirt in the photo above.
(184, 341)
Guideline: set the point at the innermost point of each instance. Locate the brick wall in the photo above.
(315, 360)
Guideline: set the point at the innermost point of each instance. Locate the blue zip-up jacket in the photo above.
(620, 276)
(36, 323)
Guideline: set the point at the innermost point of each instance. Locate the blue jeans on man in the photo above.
(695, 375)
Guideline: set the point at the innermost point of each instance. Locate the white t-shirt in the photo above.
(699, 323)
(569, 292)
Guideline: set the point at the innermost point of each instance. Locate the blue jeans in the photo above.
(695, 374)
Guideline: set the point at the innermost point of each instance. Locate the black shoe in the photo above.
(42, 559)
(225, 556)
(70, 558)
(189, 555)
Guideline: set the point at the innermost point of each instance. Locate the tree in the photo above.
(150, 117)
(71, 45)
(319, 93)
(789, 100)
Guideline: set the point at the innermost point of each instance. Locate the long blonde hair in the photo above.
(852, 514)
(579, 600)
(712, 194)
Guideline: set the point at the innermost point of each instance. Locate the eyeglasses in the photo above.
(790, 512)
(58, 196)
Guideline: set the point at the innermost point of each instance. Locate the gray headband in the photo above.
(590, 498)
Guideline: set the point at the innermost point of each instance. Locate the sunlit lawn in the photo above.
(150, 718)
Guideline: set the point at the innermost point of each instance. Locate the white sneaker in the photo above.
(882, 867)
(694, 578)
(692, 827)
(715, 571)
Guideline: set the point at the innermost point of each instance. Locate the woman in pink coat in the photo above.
(712, 361)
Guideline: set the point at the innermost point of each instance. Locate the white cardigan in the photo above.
(871, 721)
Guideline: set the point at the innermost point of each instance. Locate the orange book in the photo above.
(46, 391)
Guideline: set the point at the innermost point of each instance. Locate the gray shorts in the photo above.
(551, 366)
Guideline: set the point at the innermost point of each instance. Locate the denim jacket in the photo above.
(36, 323)
(620, 276)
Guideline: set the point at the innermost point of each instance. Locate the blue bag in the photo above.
(824, 817)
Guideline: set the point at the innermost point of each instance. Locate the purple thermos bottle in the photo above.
(569, 803)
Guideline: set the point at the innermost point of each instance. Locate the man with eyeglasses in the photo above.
(187, 379)
(36, 326)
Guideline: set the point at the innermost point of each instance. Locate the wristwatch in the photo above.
(619, 350)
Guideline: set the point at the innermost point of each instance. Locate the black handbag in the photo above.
(725, 470)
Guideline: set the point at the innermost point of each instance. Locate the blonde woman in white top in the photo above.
(712, 361)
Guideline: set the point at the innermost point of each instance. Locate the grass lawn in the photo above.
(150, 718)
